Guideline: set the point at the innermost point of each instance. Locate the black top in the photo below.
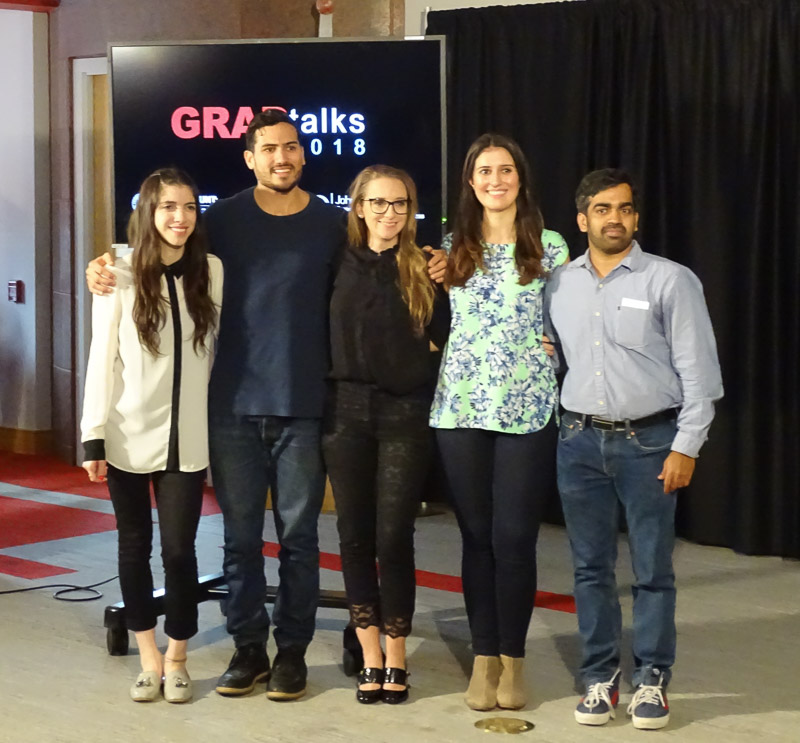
(272, 352)
(372, 335)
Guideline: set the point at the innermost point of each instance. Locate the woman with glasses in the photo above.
(385, 311)
(494, 407)
(144, 415)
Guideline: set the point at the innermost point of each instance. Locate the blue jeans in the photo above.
(597, 472)
(249, 455)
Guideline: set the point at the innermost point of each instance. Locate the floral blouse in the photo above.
(494, 373)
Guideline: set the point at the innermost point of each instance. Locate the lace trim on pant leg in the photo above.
(397, 627)
(364, 615)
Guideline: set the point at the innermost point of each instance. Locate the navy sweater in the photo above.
(272, 354)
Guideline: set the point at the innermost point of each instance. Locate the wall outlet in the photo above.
(16, 292)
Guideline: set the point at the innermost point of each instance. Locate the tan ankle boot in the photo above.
(511, 693)
(482, 691)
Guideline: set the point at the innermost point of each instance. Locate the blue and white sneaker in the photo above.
(597, 705)
(649, 708)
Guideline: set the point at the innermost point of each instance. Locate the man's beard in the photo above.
(285, 188)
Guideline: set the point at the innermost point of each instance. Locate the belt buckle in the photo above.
(602, 424)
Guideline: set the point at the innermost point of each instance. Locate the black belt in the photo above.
(604, 424)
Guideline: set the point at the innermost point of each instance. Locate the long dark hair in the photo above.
(467, 250)
(150, 305)
(412, 265)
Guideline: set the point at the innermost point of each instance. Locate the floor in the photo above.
(738, 654)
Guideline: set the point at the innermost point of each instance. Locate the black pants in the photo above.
(377, 451)
(179, 498)
(500, 484)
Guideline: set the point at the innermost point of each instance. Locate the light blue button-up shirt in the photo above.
(636, 342)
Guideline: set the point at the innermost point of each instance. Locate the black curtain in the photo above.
(699, 98)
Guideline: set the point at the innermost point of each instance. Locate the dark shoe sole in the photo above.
(284, 696)
(394, 697)
(368, 696)
(239, 691)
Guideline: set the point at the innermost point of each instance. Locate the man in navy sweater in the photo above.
(279, 246)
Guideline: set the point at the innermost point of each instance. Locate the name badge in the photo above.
(637, 304)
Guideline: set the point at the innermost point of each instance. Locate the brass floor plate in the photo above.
(510, 725)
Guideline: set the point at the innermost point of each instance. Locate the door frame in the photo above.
(83, 204)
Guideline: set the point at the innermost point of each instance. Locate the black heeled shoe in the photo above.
(397, 676)
(370, 676)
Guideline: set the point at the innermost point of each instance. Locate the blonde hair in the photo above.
(412, 265)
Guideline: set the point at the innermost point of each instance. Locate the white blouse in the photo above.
(128, 395)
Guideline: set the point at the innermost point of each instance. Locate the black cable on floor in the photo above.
(65, 588)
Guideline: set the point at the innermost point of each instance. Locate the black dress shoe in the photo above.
(289, 673)
(248, 666)
(370, 676)
(397, 676)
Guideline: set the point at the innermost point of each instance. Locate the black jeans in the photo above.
(179, 498)
(377, 451)
(500, 484)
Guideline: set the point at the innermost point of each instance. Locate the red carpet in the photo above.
(29, 522)
(29, 568)
(49, 473)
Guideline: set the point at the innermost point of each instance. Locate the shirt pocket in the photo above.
(631, 326)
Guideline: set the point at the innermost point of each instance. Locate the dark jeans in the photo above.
(599, 472)
(500, 484)
(377, 451)
(179, 498)
(250, 455)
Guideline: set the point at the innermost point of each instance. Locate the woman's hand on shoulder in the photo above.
(436, 264)
(98, 278)
(97, 470)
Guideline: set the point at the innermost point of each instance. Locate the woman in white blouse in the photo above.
(144, 415)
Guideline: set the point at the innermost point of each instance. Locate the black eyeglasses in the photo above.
(381, 206)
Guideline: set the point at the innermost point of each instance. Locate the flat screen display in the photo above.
(355, 103)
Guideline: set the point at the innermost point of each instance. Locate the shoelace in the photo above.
(647, 695)
(599, 693)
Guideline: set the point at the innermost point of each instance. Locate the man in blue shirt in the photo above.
(638, 397)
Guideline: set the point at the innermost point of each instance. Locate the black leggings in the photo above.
(377, 451)
(500, 484)
(179, 498)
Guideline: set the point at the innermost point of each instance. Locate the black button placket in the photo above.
(173, 452)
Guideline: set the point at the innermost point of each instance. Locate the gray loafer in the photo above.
(147, 687)
(177, 687)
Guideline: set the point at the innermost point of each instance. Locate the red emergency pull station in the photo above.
(16, 291)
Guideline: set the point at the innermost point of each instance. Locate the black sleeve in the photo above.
(337, 259)
(439, 326)
(94, 450)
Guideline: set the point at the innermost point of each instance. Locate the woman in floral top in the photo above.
(494, 407)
